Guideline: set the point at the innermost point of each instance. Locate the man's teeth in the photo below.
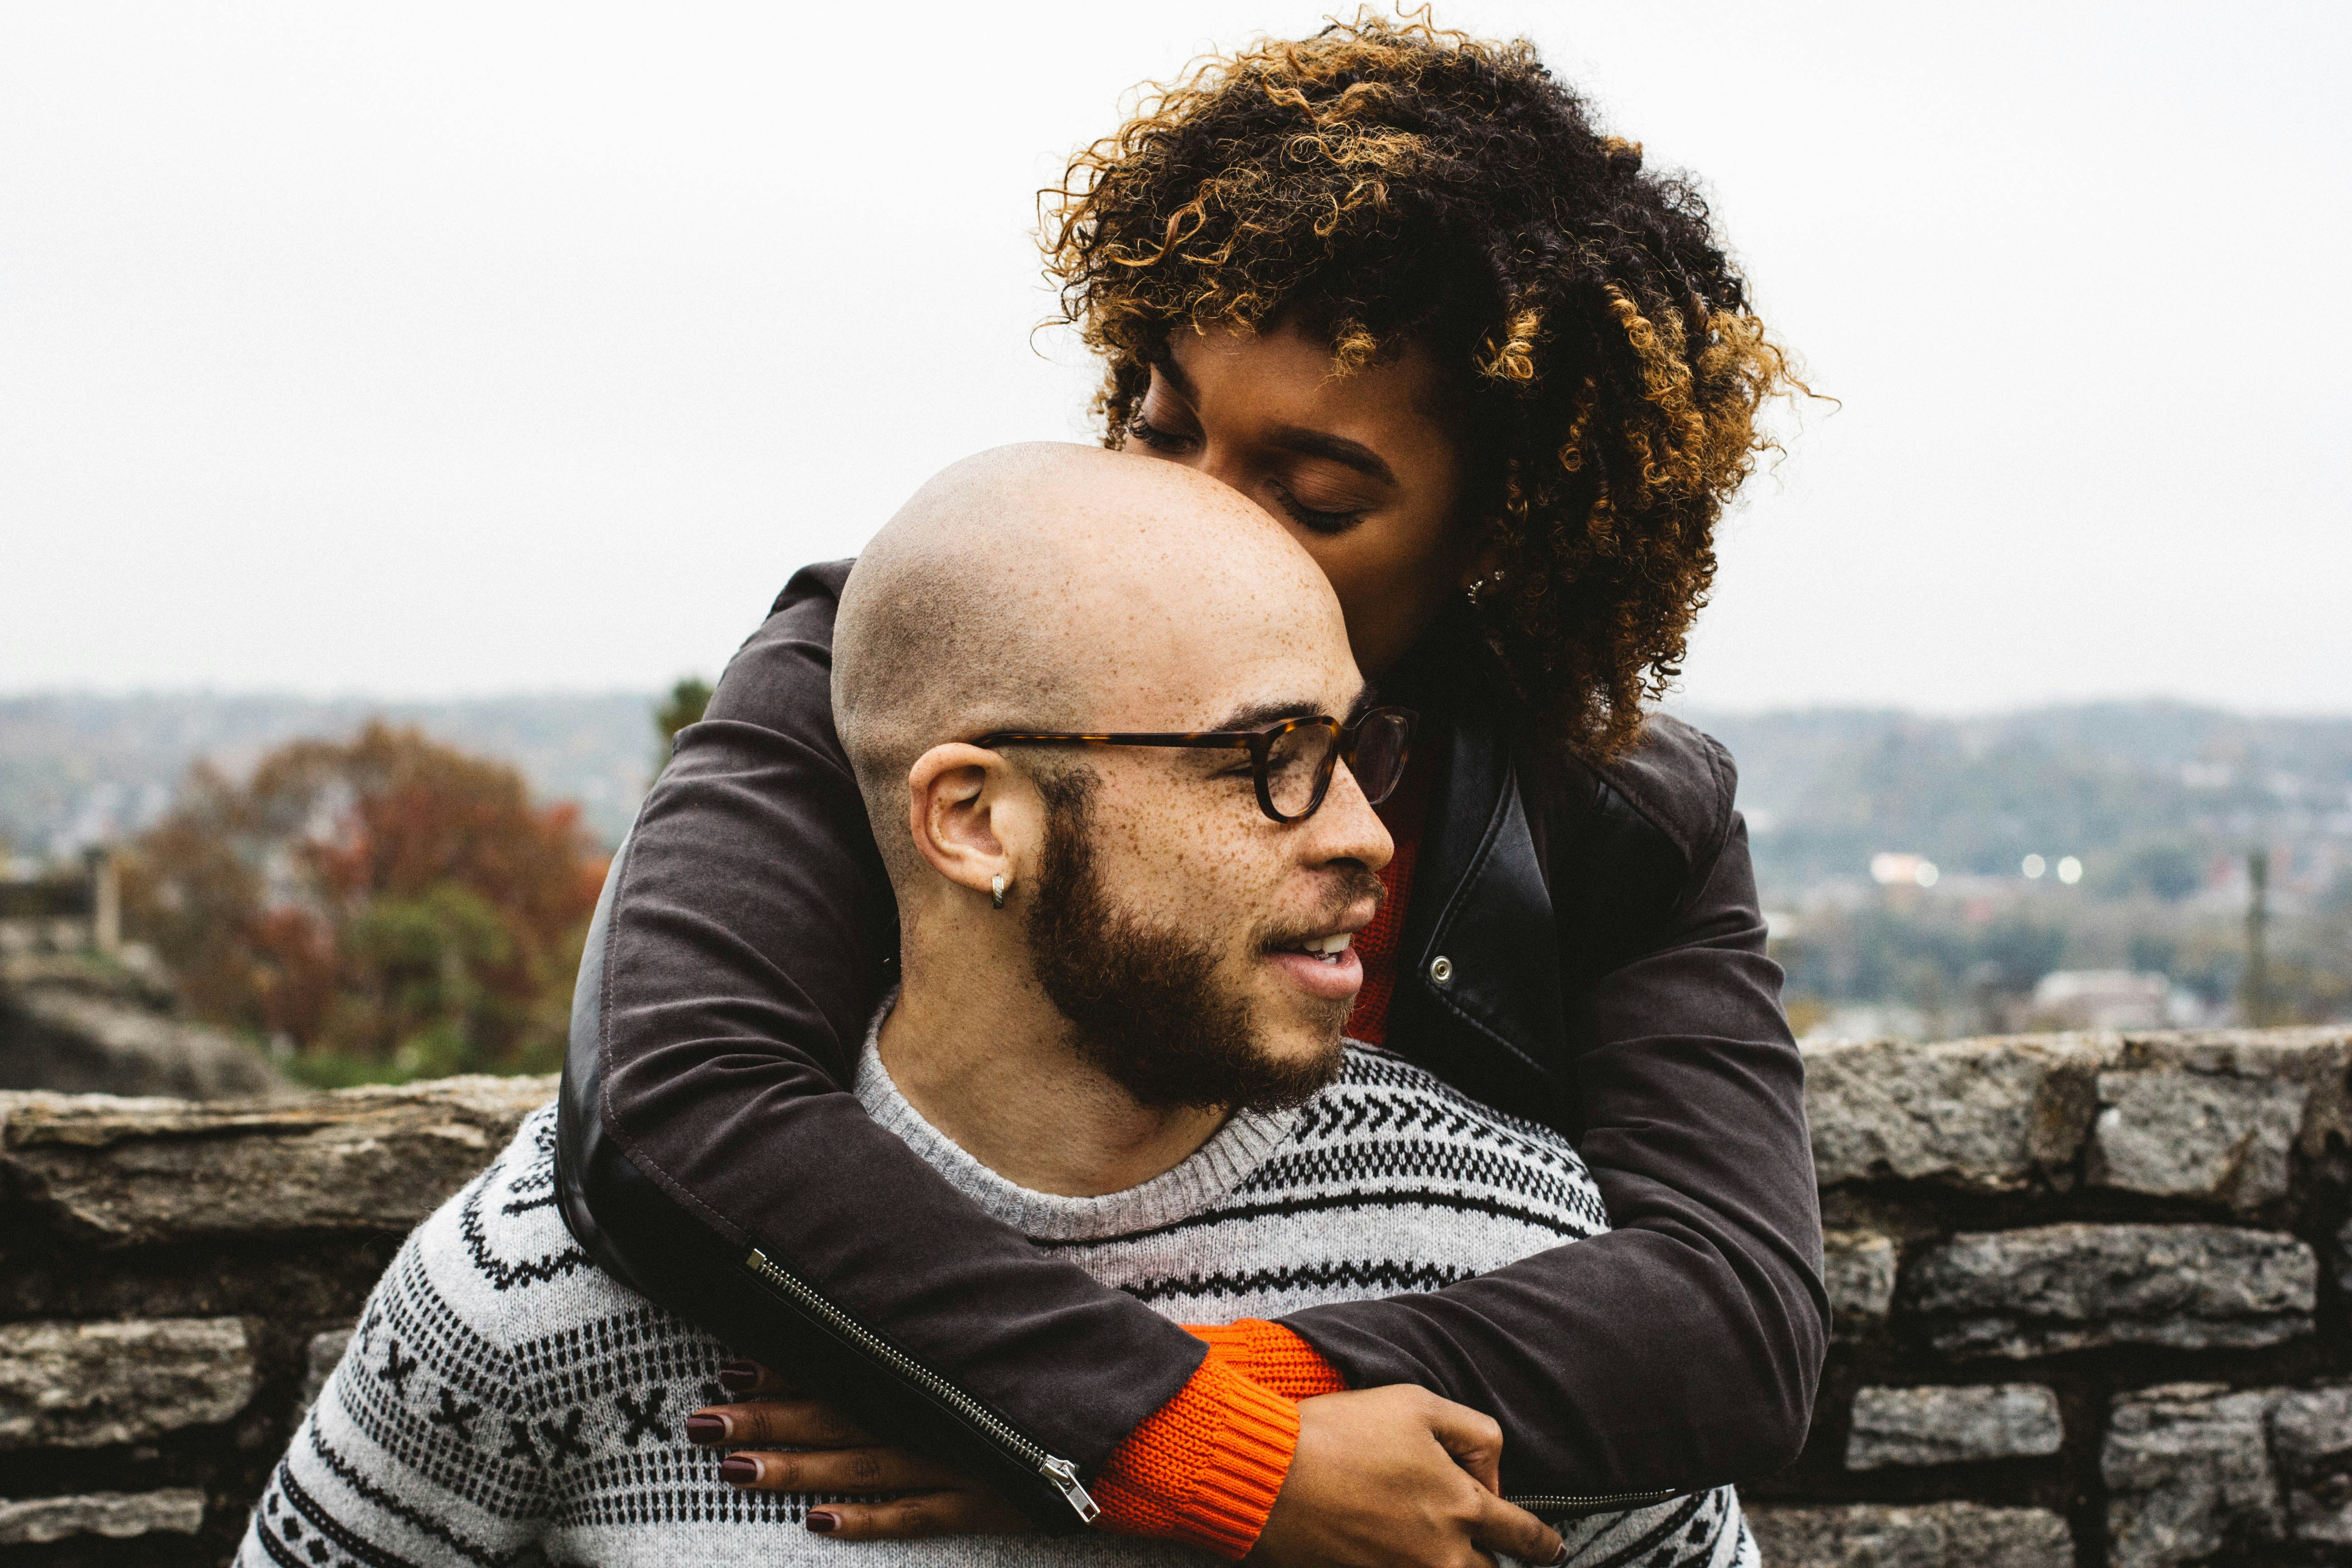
(1327, 948)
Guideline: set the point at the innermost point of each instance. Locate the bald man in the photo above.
(1122, 769)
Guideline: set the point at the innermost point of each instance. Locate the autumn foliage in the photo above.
(385, 906)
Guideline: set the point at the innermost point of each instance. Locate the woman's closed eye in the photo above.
(1157, 439)
(1316, 518)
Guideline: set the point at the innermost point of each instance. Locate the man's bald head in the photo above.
(1060, 587)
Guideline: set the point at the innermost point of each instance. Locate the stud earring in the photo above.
(996, 887)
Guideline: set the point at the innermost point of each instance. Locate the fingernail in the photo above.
(706, 1428)
(824, 1523)
(739, 1377)
(738, 1471)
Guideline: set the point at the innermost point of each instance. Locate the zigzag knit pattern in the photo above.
(505, 1402)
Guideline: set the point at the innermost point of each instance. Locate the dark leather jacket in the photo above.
(1582, 947)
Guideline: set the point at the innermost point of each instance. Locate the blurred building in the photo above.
(2102, 999)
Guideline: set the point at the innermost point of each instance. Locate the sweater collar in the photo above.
(1202, 1179)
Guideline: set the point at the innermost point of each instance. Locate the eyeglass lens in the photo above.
(1379, 762)
(1295, 763)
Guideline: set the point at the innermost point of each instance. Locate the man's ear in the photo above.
(971, 815)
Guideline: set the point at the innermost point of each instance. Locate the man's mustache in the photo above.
(1349, 888)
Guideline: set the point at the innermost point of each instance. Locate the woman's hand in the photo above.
(1397, 1478)
(838, 1455)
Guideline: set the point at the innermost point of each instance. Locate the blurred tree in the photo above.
(2171, 870)
(2019, 951)
(687, 700)
(390, 907)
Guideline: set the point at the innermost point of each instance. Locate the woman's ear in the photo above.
(971, 815)
(1485, 560)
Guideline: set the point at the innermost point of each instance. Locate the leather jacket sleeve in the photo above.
(1683, 1348)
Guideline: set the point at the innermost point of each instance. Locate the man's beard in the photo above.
(1143, 999)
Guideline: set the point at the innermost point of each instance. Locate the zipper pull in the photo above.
(1064, 1477)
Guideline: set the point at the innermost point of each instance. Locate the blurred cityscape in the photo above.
(2108, 866)
(370, 891)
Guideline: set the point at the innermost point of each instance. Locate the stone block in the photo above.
(27, 1522)
(1858, 1266)
(1988, 1115)
(2344, 1256)
(1922, 1535)
(134, 1171)
(1947, 1426)
(2196, 1135)
(62, 1040)
(2320, 1059)
(2189, 1475)
(2311, 1434)
(86, 1385)
(2057, 1288)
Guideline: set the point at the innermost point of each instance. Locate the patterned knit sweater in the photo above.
(504, 1401)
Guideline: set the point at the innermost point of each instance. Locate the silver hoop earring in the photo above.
(1480, 586)
(996, 887)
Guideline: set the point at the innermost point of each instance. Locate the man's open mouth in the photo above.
(1323, 949)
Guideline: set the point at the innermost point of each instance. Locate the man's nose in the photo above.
(1347, 828)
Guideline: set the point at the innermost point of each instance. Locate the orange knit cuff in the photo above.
(1206, 1467)
(1203, 1469)
(1271, 1356)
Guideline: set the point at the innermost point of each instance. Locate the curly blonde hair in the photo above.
(1385, 183)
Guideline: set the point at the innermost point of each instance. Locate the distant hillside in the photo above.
(2143, 793)
(74, 769)
(2137, 790)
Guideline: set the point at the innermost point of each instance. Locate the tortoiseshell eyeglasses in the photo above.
(1292, 761)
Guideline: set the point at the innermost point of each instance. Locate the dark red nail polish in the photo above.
(824, 1523)
(705, 1429)
(738, 1471)
(739, 1377)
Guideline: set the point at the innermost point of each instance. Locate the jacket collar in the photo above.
(1479, 952)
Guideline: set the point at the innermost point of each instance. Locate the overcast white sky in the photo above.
(429, 349)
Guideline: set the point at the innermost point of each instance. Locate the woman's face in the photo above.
(1362, 468)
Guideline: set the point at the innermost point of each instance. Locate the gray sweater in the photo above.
(505, 1401)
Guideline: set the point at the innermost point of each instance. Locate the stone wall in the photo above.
(97, 1024)
(2090, 1297)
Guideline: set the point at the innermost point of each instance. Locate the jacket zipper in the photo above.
(1602, 1503)
(1059, 1473)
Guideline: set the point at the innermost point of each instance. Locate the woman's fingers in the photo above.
(841, 1470)
(1516, 1532)
(749, 1380)
(788, 1423)
(913, 1518)
(1474, 1439)
(839, 1455)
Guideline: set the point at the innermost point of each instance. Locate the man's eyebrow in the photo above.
(1258, 715)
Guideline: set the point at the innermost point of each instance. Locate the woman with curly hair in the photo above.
(1499, 379)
